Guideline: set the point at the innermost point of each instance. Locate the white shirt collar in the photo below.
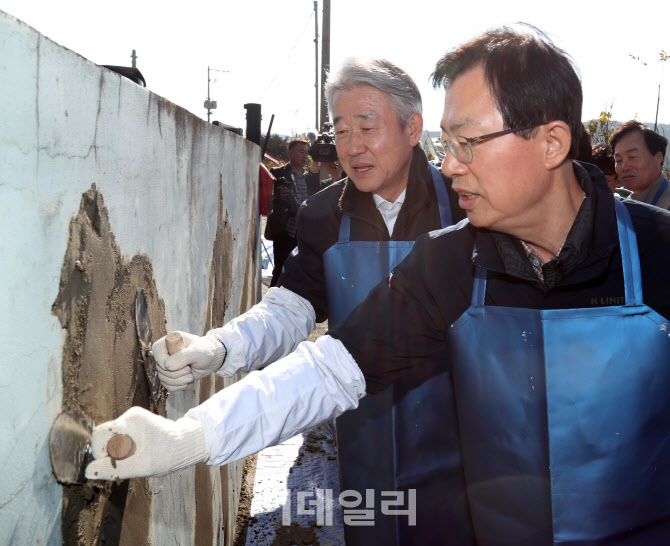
(388, 210)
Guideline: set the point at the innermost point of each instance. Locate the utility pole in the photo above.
(210, 104)
(325, 61)
(133, 56)
(316, 59)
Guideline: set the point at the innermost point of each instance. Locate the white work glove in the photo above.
(161, 446)
(201, 356)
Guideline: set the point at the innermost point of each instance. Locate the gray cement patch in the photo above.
(103, 373)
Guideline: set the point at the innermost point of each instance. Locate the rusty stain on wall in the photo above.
(249, 288)
(103, 373)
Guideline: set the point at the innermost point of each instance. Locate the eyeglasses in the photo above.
(461, 146)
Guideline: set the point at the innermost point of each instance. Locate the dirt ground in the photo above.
(288, 535)
(246, 495)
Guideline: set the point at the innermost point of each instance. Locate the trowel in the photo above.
(146, 339)
(70, 437)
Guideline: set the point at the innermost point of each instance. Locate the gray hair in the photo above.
(380, 74)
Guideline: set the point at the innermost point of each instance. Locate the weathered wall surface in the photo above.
(106, 188)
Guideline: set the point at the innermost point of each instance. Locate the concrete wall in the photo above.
(106, 187)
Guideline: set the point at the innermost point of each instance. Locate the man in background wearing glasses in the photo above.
(549, 305)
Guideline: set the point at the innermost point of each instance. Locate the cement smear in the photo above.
(103, 372)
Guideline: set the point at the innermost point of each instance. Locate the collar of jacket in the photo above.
(361, 205)
(647, 195)
(587, 249)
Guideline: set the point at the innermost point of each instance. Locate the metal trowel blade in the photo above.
(70, 447)
(146, 339)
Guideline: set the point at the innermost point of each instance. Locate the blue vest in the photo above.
(406, 436)
(565, 417)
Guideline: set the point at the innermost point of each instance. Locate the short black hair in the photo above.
(297, 141)
(655, 142)
(532, 81)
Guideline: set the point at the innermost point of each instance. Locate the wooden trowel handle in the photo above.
(122, 446)
(174, 342)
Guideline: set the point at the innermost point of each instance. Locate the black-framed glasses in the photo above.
(461, 146)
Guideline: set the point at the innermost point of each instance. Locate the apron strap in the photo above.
(664, 186)
(345, 229)
(442, 196)
(479, 287)
(630, 258)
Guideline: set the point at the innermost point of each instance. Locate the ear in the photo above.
(556, 139)
(658, 158)
(414, 128)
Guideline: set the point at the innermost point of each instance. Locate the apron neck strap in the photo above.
(630, 258)
(345, 229)
(442, 196)
(479, 287)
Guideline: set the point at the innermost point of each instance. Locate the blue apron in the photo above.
(391, 442)
(565, 417)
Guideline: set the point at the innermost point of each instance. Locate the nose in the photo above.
(621, 166)
(452, 167)
(355, 144)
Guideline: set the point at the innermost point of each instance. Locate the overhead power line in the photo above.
(290, 54)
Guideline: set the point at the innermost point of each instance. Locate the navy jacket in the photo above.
(432, 287)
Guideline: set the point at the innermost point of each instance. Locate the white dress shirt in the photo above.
(389, 210)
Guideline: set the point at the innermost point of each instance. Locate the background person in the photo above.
(603, 158)
(639, 153)
(292, 186)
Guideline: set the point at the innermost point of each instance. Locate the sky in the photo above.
(264, 52)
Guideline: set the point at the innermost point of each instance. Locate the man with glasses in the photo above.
(549, 306)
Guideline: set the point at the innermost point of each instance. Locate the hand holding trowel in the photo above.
(159, 446)
(70, 441)
(197, 358)
(140, 443)
(153, 445)
(202, 356)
